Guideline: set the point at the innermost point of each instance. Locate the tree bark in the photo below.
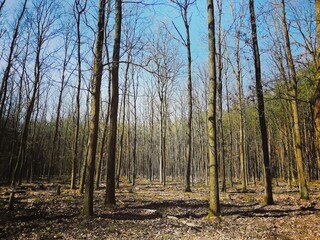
(95, 108)
(110, 197)
(74, 160)
(262, 119)
(214, 205)
(135, 86)
(219, 102)
(293, 93)
(189, 129)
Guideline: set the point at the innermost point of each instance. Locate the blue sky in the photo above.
(198, 26)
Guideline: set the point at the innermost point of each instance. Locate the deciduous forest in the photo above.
(159, 119)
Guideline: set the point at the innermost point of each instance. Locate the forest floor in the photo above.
(151, 211)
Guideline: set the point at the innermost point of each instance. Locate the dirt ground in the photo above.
(151, 211)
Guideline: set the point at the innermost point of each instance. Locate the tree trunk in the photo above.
(135, 96)
(293, 85)
(37, 77)
(95, 108)
(262, 119)
(214, 205)
(184, 12)
(162, 146)
(102, 151)
(220, 110)
(112, 138)
(74, 160)
(121, 145)
(241, 122)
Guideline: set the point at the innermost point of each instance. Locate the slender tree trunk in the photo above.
(219, 102)
(95, 108)
(112, 138)
(241, 123)
(189, 129)
(102, 156)
(162, 146)
(262, 119)
(102, 150)
(75, 155)
(134, 164)
(121, 145)
(151, 140)
(83, 171)
(293, 92)
(214, 205)
(84, 147)
(161, 143)
(128, 143)
(230, 155)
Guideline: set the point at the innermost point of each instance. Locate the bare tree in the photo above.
(124, 111)
(95, 109)
(78, 9)
(214, 204)
(219, 100)
(184, 6)
(135, 86)
(292, 91)
(68, 53)
(42, 22)
(110, 197)
(263, 126)
(165, 66)
(237, 71)
(9, 65)
(102, 155)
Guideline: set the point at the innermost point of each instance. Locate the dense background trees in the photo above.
(153, 104)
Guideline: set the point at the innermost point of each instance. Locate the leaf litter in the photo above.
(152, 211)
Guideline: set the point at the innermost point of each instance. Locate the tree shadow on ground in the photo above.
(31, 215)
(188, 204)
(263, 212)
(148, 210)
(130, 216)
